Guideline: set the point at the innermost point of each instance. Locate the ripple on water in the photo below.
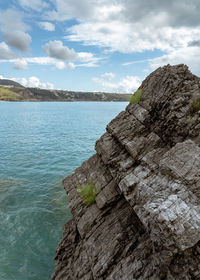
(40, 143)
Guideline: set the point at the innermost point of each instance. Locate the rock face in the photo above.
(145, 223)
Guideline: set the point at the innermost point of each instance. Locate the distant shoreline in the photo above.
(21, 94)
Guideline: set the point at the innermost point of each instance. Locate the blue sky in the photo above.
(96, 45)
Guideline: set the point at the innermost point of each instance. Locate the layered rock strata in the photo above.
(145, 223)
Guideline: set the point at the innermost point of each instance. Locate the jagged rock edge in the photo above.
(86, 218)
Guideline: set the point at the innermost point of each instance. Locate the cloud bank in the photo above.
(128, 84)
(30, 82)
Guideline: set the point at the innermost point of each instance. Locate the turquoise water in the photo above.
(40, 144)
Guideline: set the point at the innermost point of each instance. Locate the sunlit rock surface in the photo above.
(145, 223)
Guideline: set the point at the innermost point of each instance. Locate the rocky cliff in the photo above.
(145, 223)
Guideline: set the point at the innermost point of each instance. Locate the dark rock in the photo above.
(145, 223)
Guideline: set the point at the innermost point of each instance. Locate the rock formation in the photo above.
(145, 223)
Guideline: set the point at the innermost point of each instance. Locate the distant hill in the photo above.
(5, 82)
(64, 95)
(13, 91)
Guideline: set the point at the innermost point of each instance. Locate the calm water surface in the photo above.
(40, 144)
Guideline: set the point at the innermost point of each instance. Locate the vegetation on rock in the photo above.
(196, 104)
(189, 118)
(88, 192)
(136, 97)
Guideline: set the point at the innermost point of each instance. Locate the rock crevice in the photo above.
(145, 223)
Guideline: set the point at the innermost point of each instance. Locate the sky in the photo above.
(96, 45)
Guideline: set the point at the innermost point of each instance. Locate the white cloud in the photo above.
(109, 76)
(35, 82)
(85, 56)
(12, 20)
(135, 62)
(126, 37)
(60, 65)
(69, 9)
(134, 26)
(47, 25)
(186, 55)
(85, 59)
(56, 49)
(126, 85)
(36, 5)
(71, 65)
(88, 64)
(40, 61)
(85, 10)
(20, 65)
(14, 30)
(18, 40)
(32, 82)
(5, 52)
(130, 26)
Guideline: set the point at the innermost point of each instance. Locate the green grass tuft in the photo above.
(88, 192)
(136, 97)
(189, 118)
(196, 105)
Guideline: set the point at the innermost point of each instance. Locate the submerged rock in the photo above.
(145, 223)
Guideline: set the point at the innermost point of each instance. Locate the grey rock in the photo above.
(182, 161)
(145, 223)
(108, 195)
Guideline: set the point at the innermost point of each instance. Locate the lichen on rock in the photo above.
(145, 223)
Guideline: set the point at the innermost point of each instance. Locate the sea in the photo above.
(40, 144)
